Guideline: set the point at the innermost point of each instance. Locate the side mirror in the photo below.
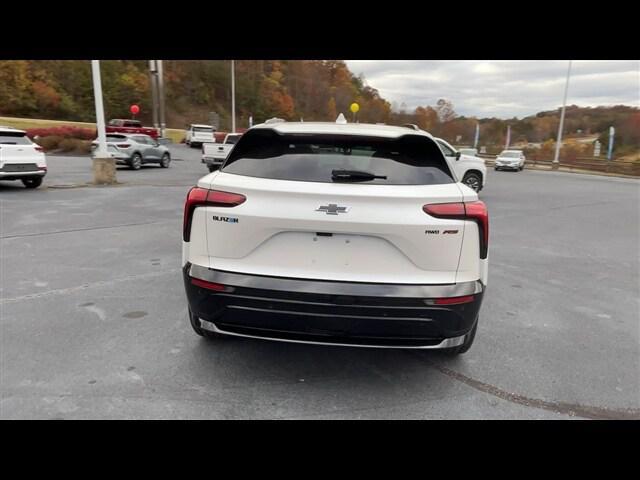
(458, 155)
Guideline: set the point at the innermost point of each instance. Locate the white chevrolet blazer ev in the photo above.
(336, 233)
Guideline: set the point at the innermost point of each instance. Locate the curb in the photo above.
(580, 171)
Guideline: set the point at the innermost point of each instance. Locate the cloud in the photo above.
(502, 89)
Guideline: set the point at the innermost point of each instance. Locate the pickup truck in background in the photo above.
(199, 135)
(120, 125)
(214, 154)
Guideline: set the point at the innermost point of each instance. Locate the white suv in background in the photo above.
(339, 234)
(510, 160)
(20, 158)
(469, 169)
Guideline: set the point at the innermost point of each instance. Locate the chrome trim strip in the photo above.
(19, 174)
(446, 343)
(335, 287)
(330, 315)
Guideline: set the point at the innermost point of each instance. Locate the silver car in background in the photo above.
(135, 150)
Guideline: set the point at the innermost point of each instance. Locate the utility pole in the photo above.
(153, 76)
(104, 166)
(233, 96)
(506, 147)
(163, 123)
(556, 157)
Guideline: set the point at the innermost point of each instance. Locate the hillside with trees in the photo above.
(312, 90)
(293, 90)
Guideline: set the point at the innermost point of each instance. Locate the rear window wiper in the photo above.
(354, 176)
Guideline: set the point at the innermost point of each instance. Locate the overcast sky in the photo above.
(502, 89)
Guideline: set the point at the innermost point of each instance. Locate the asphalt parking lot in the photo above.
(93, 317)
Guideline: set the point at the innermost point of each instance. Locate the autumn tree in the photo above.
(445, 111)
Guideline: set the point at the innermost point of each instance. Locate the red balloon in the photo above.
(135, 109)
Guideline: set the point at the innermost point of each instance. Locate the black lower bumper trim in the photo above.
(331, 318)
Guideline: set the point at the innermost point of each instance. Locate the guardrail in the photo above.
(594, 164)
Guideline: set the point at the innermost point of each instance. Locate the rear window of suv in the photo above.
(14, 138)
(408, 160)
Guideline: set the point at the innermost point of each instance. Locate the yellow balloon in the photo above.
(355, 107)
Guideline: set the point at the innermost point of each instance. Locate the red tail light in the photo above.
(217, 287)
(201, 197)
(39, 148)
(453, 300)
(475, 211)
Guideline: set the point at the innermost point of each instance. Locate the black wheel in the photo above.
(136, 161)
(473, 180)
(466, 345)
(496, 168)
(166, 160)
(34, 182)
(195, 324)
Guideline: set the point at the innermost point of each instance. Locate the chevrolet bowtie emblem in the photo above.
(332, 209)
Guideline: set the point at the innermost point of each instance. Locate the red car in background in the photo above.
(119, 125)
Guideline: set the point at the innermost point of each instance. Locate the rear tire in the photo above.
(195, 324)
(34, 182)
(466, 345)
(136, 161)
(165, 161)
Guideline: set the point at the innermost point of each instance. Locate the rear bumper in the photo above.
(335, 313)
(21, 175)
(212, 160)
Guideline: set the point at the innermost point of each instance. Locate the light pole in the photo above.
(163, 123)
(477, 136)
(556, 157)
(153, 75)
(104, 167)
(233, 96)
(97, 93)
